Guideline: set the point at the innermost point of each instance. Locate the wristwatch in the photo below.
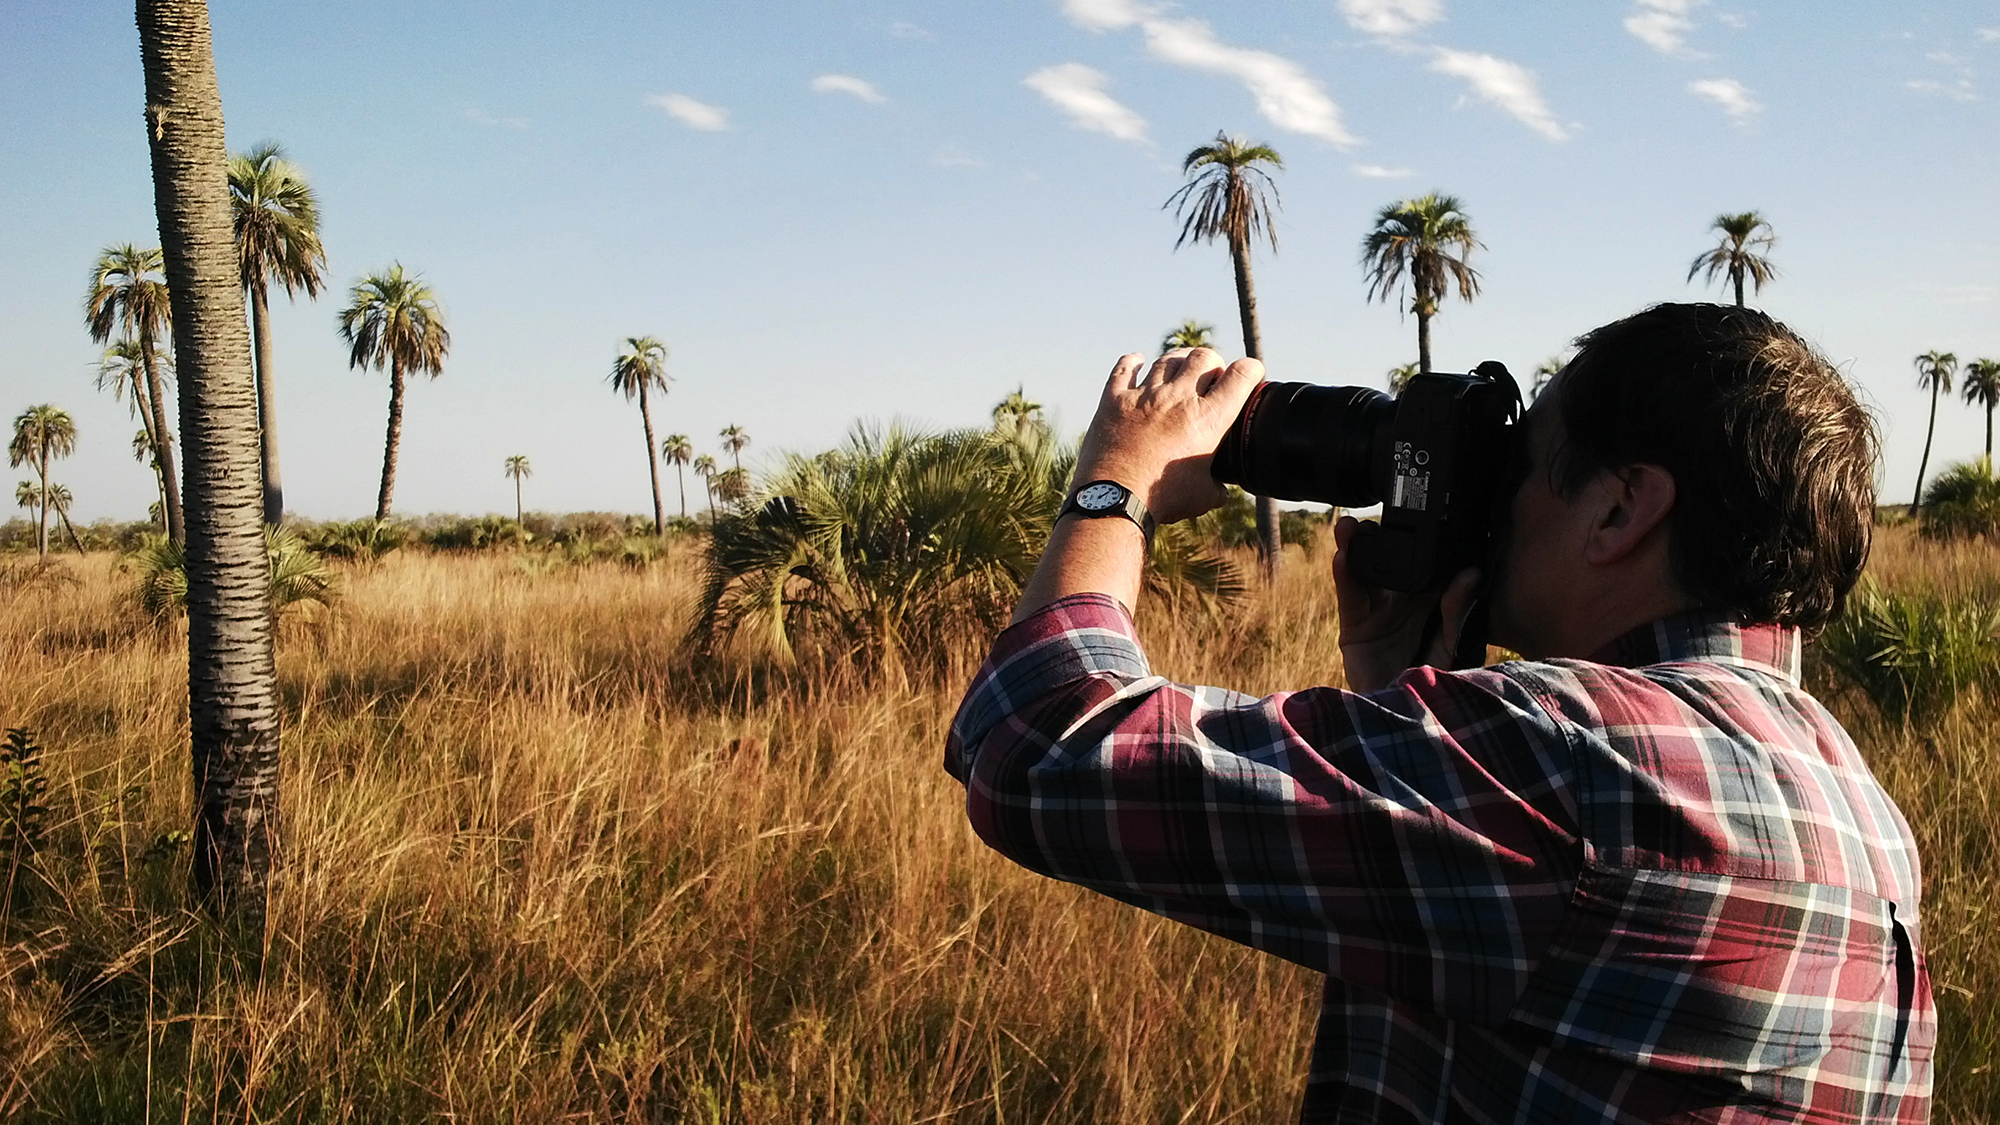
(1107, 498)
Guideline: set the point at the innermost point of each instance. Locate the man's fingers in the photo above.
(1121, 373)
(1198, 362)
(1454, 608)
(1234, 382)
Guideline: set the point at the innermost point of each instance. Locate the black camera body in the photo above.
(1442, 459)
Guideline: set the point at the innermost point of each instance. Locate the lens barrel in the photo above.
(1299, 441)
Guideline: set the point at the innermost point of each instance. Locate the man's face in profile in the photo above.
(1541, 542)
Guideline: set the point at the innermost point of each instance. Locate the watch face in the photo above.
(1100, 497)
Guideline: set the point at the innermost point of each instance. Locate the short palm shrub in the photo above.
(474, 533)
(363, 540)
(899, 543)
(1962, 502)
(1915, 654)
(298, 576)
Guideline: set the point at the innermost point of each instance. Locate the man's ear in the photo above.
(1635, 501)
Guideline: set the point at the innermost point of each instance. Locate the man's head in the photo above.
(1691, 455)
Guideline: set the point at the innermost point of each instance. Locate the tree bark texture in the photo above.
(1737, 275)
(1270, 545)
(1423, 341)
(232, 681)
(680, 473)
(393, 441)
(163, 438)
(517, 501)
(1924, 465)
(267, 408)
(652, 463)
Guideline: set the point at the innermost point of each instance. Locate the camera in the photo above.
(1442, 459)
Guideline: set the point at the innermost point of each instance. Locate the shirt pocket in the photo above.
(1718, 975)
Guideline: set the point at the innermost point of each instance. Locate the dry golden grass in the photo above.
(540, 871)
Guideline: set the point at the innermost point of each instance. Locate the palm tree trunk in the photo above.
(1989, 433)
(517, 501)
(393, 442)
(1737, 276)
(652, 463)
(232, 680)
(680, 474)
(1925, 464)
(145, 404)
(1423, 340)
(163, 442)
(42, 516)
(1270, 545)
(70, 531)
(267, 406)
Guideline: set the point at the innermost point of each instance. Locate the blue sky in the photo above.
(833, 213)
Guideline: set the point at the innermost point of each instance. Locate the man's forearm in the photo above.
(1087, 556)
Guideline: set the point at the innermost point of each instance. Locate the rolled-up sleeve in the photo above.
(1417, 841)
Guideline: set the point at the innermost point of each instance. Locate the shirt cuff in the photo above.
(1069, 639)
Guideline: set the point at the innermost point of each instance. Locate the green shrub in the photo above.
(1962, 502)
(297, 574)
(474, 533)
(1915, 654)
(363, 540)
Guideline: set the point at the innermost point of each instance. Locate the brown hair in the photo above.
(1772, 457)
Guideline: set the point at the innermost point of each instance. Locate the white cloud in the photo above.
(1104, 15)
(1662, 25)
(903, 29)
(1989, 34)
(850, 85)
(1509, 85)
(1378, 172)
(689, 112)
(1734, 97)
(1390, 17)
(475, 114)
(1958, 87)
(952, 157)
(1078, 91)
(1286, 95)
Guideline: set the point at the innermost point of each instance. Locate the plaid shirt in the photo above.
(1659, 885)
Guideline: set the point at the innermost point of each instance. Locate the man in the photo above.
(1639, 875)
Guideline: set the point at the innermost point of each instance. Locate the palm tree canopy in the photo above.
(1982, 382)
(393, 318)
(518, 467)
(121, 361)
(1190, 333)
(1935, 371)
(643, 363)
(1227, 195)
(39, 432)
(1016, 410)
(677, 449)
(27, 494)
(734, 438)
(142, 446)
(1426, 243)
(128, 295)
(277, 221)
(1745, 239)
(704, 465)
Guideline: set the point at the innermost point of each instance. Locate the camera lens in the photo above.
(1297, 441)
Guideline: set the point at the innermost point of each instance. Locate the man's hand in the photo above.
(1382, 630)
(1156, 436)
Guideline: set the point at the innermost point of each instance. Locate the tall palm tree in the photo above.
(392, 319)
(734, 438)
(1426, 245)
(518, 469)
(232, 679)
(677, 449)
(641, 366)
(128, 295)
(1189, 333)
(277, 239)
(1935, 371)
(705, 467)
(1229, 196)
(1739, 252)
(1982, 388)
(41, 433)
(1015, 416)
(124, 365)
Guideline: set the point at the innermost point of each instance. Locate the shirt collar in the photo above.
(1710, 636)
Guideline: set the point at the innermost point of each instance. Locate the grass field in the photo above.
(539, 870)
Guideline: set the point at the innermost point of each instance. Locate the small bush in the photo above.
(297, 574)
(363, 540)
(1961, 503)
(474, 534)
(1914, 654)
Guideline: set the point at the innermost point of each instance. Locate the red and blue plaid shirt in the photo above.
(1657, 885)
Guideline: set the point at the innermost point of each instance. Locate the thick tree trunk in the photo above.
(163, 439)
(652, 463)
(232, 682)
(1423, 340)
(267, 407)
(1270, 544)
(1925, 464)
(393, 441)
